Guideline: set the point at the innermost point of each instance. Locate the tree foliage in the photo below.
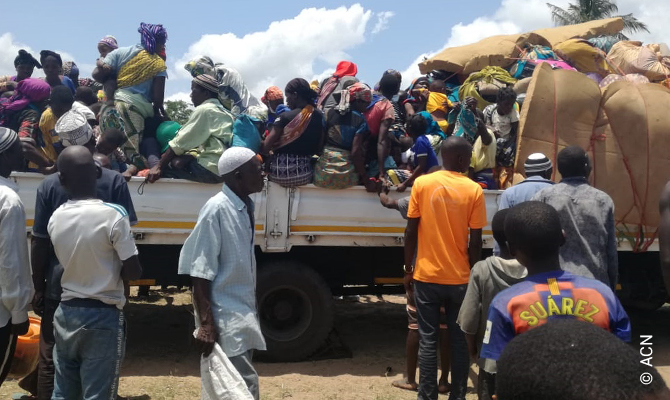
(590, 10)
(178, 110)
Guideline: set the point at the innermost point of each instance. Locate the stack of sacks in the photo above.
(625, 128)
(631, 57)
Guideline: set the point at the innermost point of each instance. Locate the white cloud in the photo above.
(514, 16)
(9, 49)
(383, 19)
(287, 49)
(183, 96)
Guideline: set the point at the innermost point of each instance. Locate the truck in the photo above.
(311, 244)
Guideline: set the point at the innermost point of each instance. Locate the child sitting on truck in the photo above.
(424, 155)
(503, 119)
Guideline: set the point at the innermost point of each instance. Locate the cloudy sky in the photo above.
(271, 42)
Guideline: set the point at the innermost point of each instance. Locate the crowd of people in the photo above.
(555, 256)
(336, 133)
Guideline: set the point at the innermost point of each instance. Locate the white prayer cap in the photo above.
(73, 129)
(7, 139)
(537, 162)
(233, 158)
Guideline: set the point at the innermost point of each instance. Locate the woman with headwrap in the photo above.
(295, 137)
(194, 152)
(233, 93)
(21, 113)
(330, 89)
(52, 64)
(25, 64)
(342, 163)
(139, 74)
(417, 96)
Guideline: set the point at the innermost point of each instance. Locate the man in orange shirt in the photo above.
(444, 208)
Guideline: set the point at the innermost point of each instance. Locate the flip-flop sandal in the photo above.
(404, 385)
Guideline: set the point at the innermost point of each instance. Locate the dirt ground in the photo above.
(161, 363)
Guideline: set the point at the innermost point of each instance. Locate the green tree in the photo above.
(178, 110)
(589, 10)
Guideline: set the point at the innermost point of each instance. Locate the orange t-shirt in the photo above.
(448, 204)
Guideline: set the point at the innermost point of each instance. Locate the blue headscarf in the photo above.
(150, 34)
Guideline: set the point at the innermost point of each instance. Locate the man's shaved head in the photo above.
(456, 153)
(78, 171)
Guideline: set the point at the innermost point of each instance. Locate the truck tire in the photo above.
(295, 308)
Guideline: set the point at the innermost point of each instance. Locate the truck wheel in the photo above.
(295, 308)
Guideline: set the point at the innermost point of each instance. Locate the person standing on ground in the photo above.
(444, 208)
(47, 270)
(534, 236)
(488, 278)
(16, 288)
(412, 342)
(93, 241)
(587, 217)
(538, 170)
(219, 257)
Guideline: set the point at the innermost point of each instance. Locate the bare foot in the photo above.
(404, 384)
(443, 387)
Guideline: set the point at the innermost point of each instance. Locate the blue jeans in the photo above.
(90, 344)
(429, 298)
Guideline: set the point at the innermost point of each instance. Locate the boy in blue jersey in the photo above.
(92, 240)
(534, 235)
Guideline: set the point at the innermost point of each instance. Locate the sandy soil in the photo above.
(162, 364)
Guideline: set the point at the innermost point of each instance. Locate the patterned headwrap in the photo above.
(70, 69)
(200, 65)
(150, 35)
(109, 41)
(207, 82)
(357, 91)
(272, 93)
(25, 58)
(73, 129)
(7, 139)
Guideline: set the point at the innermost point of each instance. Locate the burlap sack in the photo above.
(625, 128)
(496, 51)
(630, 57)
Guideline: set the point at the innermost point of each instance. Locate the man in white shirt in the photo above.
(219, 257)
(16, 286)
(93, 242)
